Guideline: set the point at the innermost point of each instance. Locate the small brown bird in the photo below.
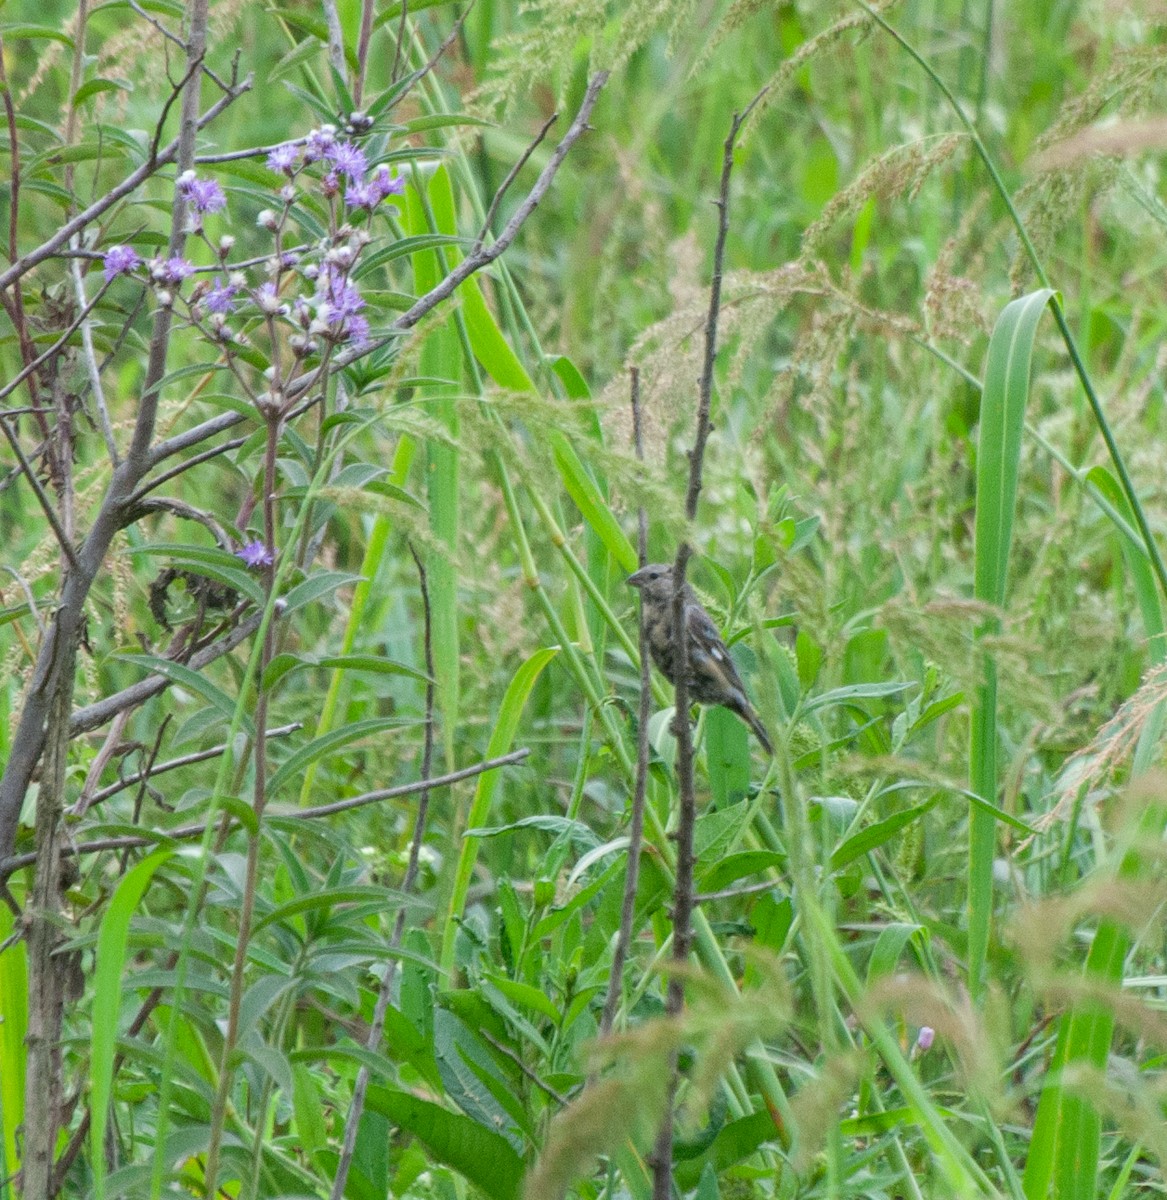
(711, 675)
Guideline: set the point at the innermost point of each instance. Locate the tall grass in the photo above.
(924, 960)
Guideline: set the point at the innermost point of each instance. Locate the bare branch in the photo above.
(27, 470)
(132, 181)
(186, 833)
(512, 174)
(683, 894)
(173, 764)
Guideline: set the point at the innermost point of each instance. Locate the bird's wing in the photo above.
(705, 640)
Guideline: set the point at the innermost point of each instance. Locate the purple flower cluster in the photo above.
(376, 188)
(220, 298)
(203, 195)
(255, 554)
(338, 307)
(342, 160)
(119, 260)
(169, 272)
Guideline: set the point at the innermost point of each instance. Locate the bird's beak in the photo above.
(636, 579)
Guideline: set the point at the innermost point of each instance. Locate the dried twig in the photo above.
(512, 175)
(683, 894)
(636, 824)
(186, 833)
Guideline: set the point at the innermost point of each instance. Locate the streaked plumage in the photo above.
(712, 676)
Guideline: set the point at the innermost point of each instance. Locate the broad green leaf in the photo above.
(194, 681)
(1003, 400)
(319, 584)
(484, 1157)
(875, 835)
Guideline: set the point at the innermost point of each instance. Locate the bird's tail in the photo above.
(752, 719)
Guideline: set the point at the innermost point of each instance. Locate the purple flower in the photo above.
(349, 160)
(204, 195)
(362, 195)
(320, 143)
(170, 271)
(338, 305)
(924, 1038)
(356, 332)
(120, 260)
(255, 554)
(219, 298)
(284, 158)
(336, 298)
(386, 184)
(267, 297)
(370, 193)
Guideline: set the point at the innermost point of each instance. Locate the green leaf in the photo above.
(444, 121)
(328, 898)
(876, 835)
(194, 681)
(96, 86)
(482, 1156)
(329, 743)
(577, 831)
(317, 586)
(12, 33)
(889, 946)
(112, 939)
(210, 562)
(501, 740)
(854, 692)
(1003, 400)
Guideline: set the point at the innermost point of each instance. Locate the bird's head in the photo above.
(655, 581)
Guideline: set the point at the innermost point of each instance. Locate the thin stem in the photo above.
(357, 1106)
(636, 824)
(259, 802)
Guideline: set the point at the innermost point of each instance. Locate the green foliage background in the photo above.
(869, 260)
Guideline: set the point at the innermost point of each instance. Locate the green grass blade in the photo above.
(107, 995)
(370, 565)
(998, 457)
(500, 742)
(14, 1026)
(1067, 1132)
(441, 358)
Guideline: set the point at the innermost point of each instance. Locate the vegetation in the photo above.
(326, 744)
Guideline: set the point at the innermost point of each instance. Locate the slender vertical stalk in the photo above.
(360, 1088)
(259, 802)
(636, 823)
(683, 904)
